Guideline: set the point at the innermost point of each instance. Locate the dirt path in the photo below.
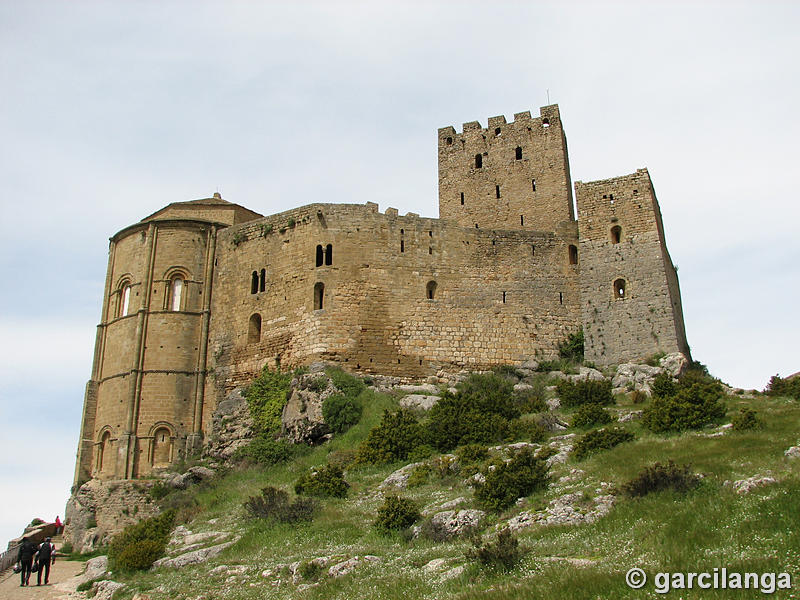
(59, 572)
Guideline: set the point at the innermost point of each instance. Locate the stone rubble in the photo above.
(399, 479)
(569, 509)
(743, 486)
(451, 523)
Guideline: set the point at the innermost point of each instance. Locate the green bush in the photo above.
(394, 439)
(638, 397)
(526, 430)
(136, 544)
(419, 476)
(472, 454)
(266, 397)
(532, 400)
(273, 505)
(746, 420)
(505, 482)
(783, 387)
(591, 414)
(562, 364)
(158, 490)
(663, 386)
(690, 407)
(350, 385)
(266, 451)
(324, 481)
(660, 477)
(584, 391)
(341, 412)
(318, 384)
(310, 571)
(396, 514)
(421, 452)
(509, 372)
(572, 347)
(503, 554)
(601, 439)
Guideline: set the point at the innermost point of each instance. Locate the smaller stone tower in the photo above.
(508, 176)
(630, 299)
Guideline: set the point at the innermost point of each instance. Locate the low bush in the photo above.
(266, 451)
(591, 414)
(419, 476)
(746, 420)
(394, 439)
(396, 513)
(503, 554)
(584, 391)
(690, 407)
(533, 399)
(526, 430)
(660, 477)
(564, 365)
(310, 571)
(472, 454)
(421, 452)
(341, 412)
(601, 439)
(266, 397)
(158, 490)
(324, 481)
(572, 347)
(663, 386)
(783, 387)
(638, 397)
(183, 503)
(504, 482)
(137, 546)
(342, 458)
(273, 505)
(350, 385)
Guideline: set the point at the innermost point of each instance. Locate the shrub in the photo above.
(266, 397)
(394, 439)
(472, 454)
(783, 387)
(183, 502)
(746, 420)
(532, 400)
(584, 391)
(602, 439)
(134, 546)
(350, 385)
(591, 414)
(396, 514)
(528, 430)
(273, 505)
(572, 347)
(325, 481)
(502, 554)
(505, 482)
(638, 397)
(419, 476)
(654, 359)
(36, 522)
(690, 407)
(421, 452)
(318, 384)
(663, 386)
(310, 571)
(266, 451)
(341, 412)
(509, 372)
(342, 458)
(562, 364)
(291, 223)
(158, 490)
(660, 477)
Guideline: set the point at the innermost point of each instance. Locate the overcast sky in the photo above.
(111, 110)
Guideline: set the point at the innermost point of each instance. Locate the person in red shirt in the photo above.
(58, 525)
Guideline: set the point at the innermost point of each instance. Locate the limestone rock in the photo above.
(399, 479)
(568, 509)
(632, 415)
(104, 590)
(194, 557)
(743, 486)
(792, 452)
(418, 401)
(345, 567)
(180, 481)
(95, 567)
(450, 523)
(530, 364)
(425, 388)
(231, 426)
(637, 377)
(302, 421)
(674, 364)
(453, 573)
(587, 373)
(434, 565)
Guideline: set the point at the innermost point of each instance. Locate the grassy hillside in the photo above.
(709, 526)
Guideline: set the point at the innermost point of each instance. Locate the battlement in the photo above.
(549, 116)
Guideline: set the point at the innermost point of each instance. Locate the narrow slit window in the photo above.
(430, 290)
(319, 256)
(533, 250)
(254, 283)
(573, 255)
(462, 198)
(497, 191)
(402, 245)
(504, 297)
(319, 295)
(619, 289)
(262, 281)
(616, 234)
(561, 297)
(498, 131)
(329, 254)
(254, 329)
(430, 250)
(522, 221)
(449, 141)
(533, 184)
(518, 153)
(478, 161)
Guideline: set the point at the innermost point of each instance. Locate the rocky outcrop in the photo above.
(346, 567)
(569, 509)
(418, 401)
(193, 557)
(302, 421)
(631, 376)
(449, 524)
(792, 452)
(231, 426)
(180, 481)
(399, 479)
(744, 486)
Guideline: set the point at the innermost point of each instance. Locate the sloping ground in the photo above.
(581, 535)
(61, 571)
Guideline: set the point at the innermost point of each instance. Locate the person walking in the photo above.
(27, 549)
(43, 558)
(59, 525)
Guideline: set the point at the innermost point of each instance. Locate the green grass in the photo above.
(710, 526)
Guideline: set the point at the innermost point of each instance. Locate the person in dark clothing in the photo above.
(43, 558)
(25, 558)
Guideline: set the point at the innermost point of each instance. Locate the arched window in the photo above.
(616, 234)
(329, 254)
(518, 153)
(175, 293)
(162, 447)
(430, 290)
(319, 295)
(479, 161)
(254, 329)
(573, 255)
(619, 289)
(262, 281)
(254, 283)
(124, 299)
(319, 256)
(104, 453)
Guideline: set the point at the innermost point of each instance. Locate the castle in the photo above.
(200, 295)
